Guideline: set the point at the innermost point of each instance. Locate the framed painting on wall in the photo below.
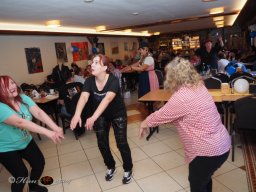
(80, 51)
(101, 48)
(114, 48)
(61, 51)
(34, 60)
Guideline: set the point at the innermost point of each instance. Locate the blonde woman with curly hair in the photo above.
(192, 111)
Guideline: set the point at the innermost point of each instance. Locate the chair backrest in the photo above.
(212, 83)
(223, 77)
(243, 75)
(245, 113)
(160, 77)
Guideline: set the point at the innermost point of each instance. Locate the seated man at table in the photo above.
(67, 99)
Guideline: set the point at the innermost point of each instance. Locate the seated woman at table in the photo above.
(16, 143)
(148, 80)
(193, 112)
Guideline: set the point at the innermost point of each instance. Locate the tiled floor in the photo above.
(76, 165)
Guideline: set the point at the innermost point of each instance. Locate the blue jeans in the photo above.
(102, 127)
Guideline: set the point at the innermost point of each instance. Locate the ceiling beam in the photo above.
(173, 21)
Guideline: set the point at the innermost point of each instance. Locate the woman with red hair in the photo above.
(16, 143)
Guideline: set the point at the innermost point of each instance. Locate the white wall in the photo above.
(13, 59)
(120, 40)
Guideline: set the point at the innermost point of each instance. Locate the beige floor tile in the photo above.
(6, 187)
(159, 182)
(169, 160)
(133, 131)
(145, 168)
(156, 148)
(173, 142)
(51, 163)
(234, 180)
(138, 154)
(71, 158)
(92, 153)
(45, 143)
(76, 171)
(69, 147)
(143, 141)
(180, 152)
(218, 187)
(55, 188)
(50, 152)
(226, 167)
(88, 143)
(180, 175)
(131, 187)
(84, 184)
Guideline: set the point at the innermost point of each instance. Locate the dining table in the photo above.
(163, 95)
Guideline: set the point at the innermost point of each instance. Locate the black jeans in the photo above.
(201, 170)
(102, 127)
(12, 161)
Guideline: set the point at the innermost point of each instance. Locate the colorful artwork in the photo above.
(61, 51)
(80, 51)
(34, 60)
(114, 48)
(101, 48)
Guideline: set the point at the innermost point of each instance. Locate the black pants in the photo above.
(12, 161)
(102, 127)
(201, 170)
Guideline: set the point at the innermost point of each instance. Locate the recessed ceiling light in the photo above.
(219, 22)
(128, 30)
(135, 13)
(217, 10)
(53, 23)
(100, 28)
(88, 1)
(221, 18)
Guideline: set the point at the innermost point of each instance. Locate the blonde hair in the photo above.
(179, 73)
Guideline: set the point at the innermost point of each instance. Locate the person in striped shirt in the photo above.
(192, 111)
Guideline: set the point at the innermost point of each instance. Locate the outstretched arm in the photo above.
(102, 106)
(15, 120)
(79, 108)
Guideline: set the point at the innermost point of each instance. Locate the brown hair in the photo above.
(105, 61)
